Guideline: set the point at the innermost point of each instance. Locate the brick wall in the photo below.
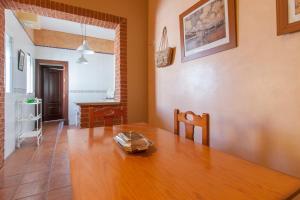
(85, 119)
(76, 14)
(121, 72)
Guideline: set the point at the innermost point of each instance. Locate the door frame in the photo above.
(38, 77)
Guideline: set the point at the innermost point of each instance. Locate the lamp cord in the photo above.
(85, 31)
(82, 32)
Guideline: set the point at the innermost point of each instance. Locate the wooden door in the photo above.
(52, 93)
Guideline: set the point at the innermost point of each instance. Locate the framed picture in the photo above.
(288, 16)
(206, 28)
(21, 60)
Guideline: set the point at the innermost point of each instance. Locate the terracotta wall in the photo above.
(136, 13)
(252, 92)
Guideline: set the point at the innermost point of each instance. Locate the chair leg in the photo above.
(18, 143)
(38, 140)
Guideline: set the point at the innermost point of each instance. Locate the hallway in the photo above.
(39, 173)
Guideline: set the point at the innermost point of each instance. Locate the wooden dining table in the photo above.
(174, 168)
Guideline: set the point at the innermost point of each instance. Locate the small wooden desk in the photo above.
(176, 169)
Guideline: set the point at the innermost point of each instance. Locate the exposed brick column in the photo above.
(76, 14)
(123, 66)
(117, 52)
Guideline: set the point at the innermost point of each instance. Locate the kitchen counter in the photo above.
(83, 115)
(99, 103)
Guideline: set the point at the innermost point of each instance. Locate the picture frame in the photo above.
(203, 32)
(21, 60)
(288, 16)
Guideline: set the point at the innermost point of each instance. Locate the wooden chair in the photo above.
(106, 114)
(191, 120)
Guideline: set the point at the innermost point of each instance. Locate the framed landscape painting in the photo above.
(206, 28)
(288, 16)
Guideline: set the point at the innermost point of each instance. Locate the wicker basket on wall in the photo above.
(164, 55)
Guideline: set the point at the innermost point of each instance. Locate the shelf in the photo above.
(35, 118)
(39, 101)
(31, 134)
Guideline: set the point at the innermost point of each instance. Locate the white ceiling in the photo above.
(75, 28)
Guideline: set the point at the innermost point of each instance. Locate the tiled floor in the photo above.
(39, 173)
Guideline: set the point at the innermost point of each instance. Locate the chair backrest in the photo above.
(106, 114)
(191, 120)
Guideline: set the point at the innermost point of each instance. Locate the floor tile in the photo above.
(8, 181)
(44, 151)
(35, 176)
(59, 181)
(7, 193)
(33, 167)
(61, 156)
(42, 159)
(63, 147)
(42, 196)
(60, 171)
(32, 188)
(61, 164)
(26, 173)
(42, 155)
(12, 170)
(59, 194)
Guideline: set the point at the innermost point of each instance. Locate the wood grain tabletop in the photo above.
(175, 168)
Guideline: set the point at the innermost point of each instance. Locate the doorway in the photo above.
(52, 88)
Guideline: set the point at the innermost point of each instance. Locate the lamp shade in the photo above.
(82, 60)
(84, 48)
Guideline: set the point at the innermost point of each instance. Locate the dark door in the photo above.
(52, 91)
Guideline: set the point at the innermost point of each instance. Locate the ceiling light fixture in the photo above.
(84, 47)
(82, 60)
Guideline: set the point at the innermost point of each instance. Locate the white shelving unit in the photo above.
(35, 117)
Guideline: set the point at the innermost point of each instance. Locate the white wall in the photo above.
(20, 41)
(86, 82)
